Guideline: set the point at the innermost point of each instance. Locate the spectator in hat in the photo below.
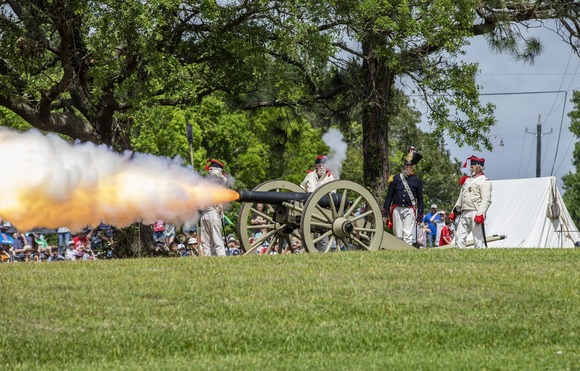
(70, 253)
(192, 246)
(188, 229)
(212, 241)
(4, 225)
(317, 177)
(21, 253)
(192, 233)
(182, 250)
(472, 204)
(233, 246)
(403, 206)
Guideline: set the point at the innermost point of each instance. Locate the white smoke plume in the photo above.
(335, 141)
(49, 182)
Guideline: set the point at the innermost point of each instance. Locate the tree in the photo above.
(438, 172)
(419, 44)
(572, 180)
(82, 68)
(255, 147)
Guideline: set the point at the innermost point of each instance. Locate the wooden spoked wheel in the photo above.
(271, 227)
(341, 216)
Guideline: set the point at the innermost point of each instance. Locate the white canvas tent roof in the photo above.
(519, 210)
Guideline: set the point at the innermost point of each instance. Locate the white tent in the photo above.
(531, 213)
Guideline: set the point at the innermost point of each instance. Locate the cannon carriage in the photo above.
(339, 216)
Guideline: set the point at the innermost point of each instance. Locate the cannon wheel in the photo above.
(276, 233)
(356, 225)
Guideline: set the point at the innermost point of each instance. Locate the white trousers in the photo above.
(212, 240)
(465, 226)
(404, 225)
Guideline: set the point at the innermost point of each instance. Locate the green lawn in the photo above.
(495, 309)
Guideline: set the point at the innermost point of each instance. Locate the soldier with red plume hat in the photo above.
(319, 176)
(472, 204)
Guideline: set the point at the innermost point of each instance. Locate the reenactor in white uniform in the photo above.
(212, 240)
(314, 179)
(321, 175)
(472, 204)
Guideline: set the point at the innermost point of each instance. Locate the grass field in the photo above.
(495, 309)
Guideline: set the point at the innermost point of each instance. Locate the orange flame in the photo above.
(55, 184)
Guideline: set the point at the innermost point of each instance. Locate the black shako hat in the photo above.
(412, 158)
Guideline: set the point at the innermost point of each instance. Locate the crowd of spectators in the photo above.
(50, 245)
(34, 246)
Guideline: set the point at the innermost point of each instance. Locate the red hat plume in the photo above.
(321, 159)
(474, 161)
(213, 163)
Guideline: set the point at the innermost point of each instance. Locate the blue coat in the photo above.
(397, 195)
(432, 226)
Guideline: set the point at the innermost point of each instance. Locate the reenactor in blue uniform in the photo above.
(403, 207)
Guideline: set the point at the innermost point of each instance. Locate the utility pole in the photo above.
(538, 135)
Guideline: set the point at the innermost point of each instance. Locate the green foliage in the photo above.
(352, 167)
(470, 118)
(11, 120)
(572, 180)
(424, 40)
(270, 144)
(437, 309)
(437, 170)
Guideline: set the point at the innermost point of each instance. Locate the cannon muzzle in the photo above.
(278, 198)
(271, 198)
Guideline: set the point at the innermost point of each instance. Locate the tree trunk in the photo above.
(375, 117)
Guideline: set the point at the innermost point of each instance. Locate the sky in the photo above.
(556, 69)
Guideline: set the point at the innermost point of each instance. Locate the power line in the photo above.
(526, 92)
(500, 93)
(526, 74)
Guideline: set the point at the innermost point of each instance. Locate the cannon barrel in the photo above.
(278, 198)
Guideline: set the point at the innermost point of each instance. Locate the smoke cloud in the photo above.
(335, 141)
(49, 182)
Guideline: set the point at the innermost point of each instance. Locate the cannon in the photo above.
(339, 216)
